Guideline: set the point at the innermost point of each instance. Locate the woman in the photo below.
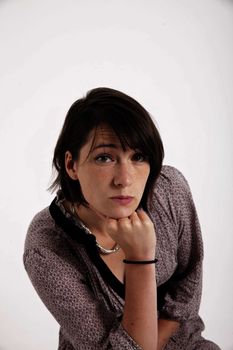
(92, 255)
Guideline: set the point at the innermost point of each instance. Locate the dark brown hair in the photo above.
(125, 116)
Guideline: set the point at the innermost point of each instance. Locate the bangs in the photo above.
(130, 130)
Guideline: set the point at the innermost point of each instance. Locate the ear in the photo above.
(71, 166)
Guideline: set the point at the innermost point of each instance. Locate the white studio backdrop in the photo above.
(173, 56)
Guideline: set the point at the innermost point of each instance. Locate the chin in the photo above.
(121, 213)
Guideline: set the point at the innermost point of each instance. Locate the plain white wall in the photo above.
(175, 57)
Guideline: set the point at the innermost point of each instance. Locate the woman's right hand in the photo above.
(135, 235)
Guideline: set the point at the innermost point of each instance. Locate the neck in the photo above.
(95, 223)
(93, 220)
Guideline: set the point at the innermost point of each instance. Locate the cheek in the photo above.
(93, 182)
(144, 177)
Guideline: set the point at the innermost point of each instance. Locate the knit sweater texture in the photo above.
(87, 299)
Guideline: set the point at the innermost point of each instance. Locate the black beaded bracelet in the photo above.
(140, 261)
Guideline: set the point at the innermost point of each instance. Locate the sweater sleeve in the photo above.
(180, 233)
(85, 322)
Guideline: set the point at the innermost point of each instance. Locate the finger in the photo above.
(143, 216)
(134, 218)
(124, 223)
(134, 215)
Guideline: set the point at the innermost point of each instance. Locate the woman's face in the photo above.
(112, 180)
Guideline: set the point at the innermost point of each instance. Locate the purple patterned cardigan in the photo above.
(84, 296)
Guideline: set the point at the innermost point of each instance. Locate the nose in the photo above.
(123, 176)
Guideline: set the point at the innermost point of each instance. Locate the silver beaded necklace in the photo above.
(101, 249)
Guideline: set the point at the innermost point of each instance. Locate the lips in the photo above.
(123, 200)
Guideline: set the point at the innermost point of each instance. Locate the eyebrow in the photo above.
(110, 145)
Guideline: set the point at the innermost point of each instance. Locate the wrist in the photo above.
(140, 262)
(139, 257)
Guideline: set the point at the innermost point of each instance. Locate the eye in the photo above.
(139, 157)
(103, 158)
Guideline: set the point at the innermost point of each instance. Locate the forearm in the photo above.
(136, 236)
(140, 316)
(166, 328)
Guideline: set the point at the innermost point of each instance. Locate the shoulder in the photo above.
(172, 185)
(171, 178)
(42, 231)
(171, 193)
